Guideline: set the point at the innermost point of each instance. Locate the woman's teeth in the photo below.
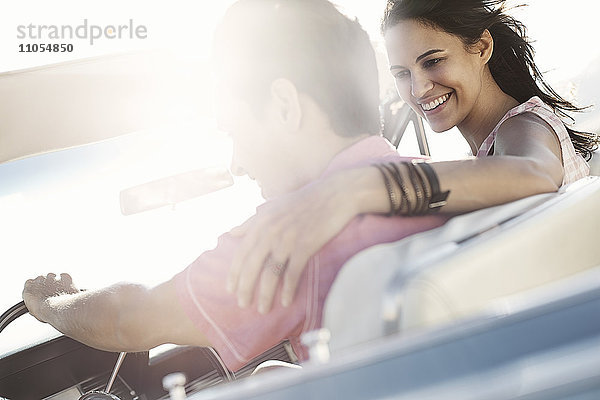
(436, 103)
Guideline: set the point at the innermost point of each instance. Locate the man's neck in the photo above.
(317, 152)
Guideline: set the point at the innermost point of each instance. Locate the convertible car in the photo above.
(500, 303)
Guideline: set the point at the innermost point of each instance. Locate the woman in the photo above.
(456, 63)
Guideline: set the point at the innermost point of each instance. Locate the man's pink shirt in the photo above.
(238, 334)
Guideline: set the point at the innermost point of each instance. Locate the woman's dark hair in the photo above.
(511, 64)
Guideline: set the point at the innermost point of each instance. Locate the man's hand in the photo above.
(37, 292)
(122, 317)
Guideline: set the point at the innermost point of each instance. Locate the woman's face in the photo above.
(435, 74)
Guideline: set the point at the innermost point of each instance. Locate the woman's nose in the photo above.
(420, 85)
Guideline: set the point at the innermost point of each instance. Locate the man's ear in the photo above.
(286, 103)
(485, 46)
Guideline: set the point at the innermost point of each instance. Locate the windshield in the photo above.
(60, 211)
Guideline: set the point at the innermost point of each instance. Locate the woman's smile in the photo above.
(435, 105)
(435, 73)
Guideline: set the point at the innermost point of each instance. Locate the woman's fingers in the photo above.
(274, 269)
(260, 236)
(285, 232)
(253, 263)
(268, 285)
(248, 275)
(256, 237)
(292, 277)
(258, 258)
(240, 259)
(311, 237)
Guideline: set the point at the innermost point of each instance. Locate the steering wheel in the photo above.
(12, 313)
(20, 309)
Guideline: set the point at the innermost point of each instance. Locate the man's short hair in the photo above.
(309, 42)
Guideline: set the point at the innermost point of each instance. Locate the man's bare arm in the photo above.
(121, 317)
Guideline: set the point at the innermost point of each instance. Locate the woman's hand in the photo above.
(287, 231)
(280, 239)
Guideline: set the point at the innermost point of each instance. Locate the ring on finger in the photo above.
(278, 268)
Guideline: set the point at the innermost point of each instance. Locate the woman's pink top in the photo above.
(574, 165)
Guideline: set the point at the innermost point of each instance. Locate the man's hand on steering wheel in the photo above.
(37, 291)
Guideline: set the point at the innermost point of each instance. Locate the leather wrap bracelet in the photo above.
(413, 188)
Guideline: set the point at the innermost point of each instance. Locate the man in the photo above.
(298, 93)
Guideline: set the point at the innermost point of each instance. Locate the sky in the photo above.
(54, 230)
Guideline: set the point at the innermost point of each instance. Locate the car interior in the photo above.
(510, 293)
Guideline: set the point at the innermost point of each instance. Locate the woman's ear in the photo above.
(485, 46)
(286, 103)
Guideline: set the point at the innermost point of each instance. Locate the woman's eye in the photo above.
(432, 62)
